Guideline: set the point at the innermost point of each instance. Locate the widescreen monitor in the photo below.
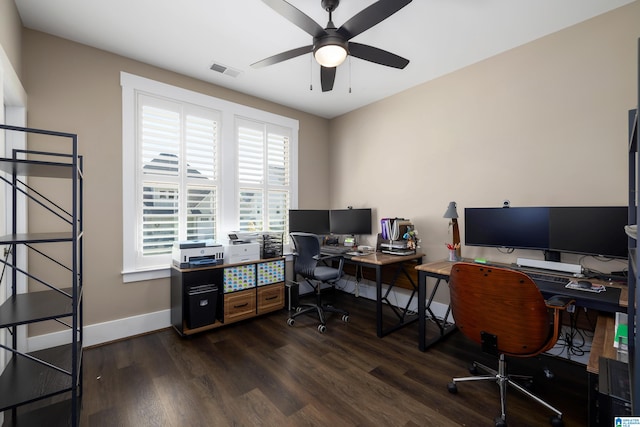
(587, 230)
(350, 221)
(597, 230)
(314, 221)
(523, 228)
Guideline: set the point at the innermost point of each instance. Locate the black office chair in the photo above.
(504, 311)
(306, 264)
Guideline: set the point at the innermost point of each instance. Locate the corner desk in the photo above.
(615, 300)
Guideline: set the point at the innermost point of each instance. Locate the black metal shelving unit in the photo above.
(634, 254)
(43, 387)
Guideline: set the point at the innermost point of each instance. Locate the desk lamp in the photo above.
(452, 214)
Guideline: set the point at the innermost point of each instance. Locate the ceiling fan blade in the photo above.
(379, 56)
(327, 77)
(297, 17)
(372, 15)
(283, 56)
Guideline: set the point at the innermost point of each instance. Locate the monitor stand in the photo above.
(553, 256)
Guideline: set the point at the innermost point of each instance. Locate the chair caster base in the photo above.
(557, 422)
(500, 422)
(322, 329)
(452, 387)
(290, 321)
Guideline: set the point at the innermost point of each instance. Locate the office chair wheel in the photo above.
(500, 422)
(473, 369)
(298, 309)
(322, 329)
(452, 387)
(290, 321)
(557, 421)
(345, 318)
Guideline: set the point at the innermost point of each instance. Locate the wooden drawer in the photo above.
(239, 305)
(270, 298)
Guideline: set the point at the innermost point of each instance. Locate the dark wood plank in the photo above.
(263, 372)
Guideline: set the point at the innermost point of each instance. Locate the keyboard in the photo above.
(548, 278)
(335, 250)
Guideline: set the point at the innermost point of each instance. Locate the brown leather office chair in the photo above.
(504, 311)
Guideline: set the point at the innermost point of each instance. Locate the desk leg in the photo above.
(379, 301)
(424, 310)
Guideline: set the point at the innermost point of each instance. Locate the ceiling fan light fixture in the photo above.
(330, 51)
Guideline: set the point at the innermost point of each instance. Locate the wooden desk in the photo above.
(602, 344)
(377, 261)
(440, 270)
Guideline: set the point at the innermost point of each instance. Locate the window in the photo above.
(177, 175)
(197, 167)
(263, 176)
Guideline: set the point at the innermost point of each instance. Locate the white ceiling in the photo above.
(188, 36)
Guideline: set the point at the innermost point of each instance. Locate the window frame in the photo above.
(229, 192)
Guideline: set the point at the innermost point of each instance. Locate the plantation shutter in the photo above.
(263, 176)
(178, 174)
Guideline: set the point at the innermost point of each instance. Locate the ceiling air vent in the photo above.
(223, 69)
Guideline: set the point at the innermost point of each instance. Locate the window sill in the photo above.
(141, 275)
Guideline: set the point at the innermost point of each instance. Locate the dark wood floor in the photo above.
(262, 372)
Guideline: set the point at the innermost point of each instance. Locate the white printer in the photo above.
(197, 253)
(242, 247)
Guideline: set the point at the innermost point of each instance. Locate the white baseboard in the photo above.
(101, 333)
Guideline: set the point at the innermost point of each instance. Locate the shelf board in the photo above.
(36, 168)
(24, 380)
(36, 238)
(33, 307)
(55, 415)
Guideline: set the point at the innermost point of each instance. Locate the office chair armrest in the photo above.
(558, 302)
(330, 257)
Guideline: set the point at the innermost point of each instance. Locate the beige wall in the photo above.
(542, 124)
(10, 33)
(75, 88)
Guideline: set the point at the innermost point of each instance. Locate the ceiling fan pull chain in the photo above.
(310, 73)
(349, 74)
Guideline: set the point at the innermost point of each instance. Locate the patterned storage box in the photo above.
(239, 278)
(270, 272)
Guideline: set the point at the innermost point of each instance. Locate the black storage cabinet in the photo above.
(201, 304)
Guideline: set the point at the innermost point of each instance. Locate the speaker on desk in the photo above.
(291, 292)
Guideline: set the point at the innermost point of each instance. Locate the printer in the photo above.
(197, 253)
(242, 247)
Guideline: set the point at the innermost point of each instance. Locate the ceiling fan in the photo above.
(331, 45)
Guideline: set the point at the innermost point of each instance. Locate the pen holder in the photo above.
(453, 256)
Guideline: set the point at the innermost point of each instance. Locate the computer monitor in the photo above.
(518, 227)
(588, 230)
(350, 221)
(309, 221)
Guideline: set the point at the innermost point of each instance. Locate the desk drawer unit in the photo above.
(270, 298)
(239, 305)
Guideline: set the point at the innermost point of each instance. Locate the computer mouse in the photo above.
(584, 284)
